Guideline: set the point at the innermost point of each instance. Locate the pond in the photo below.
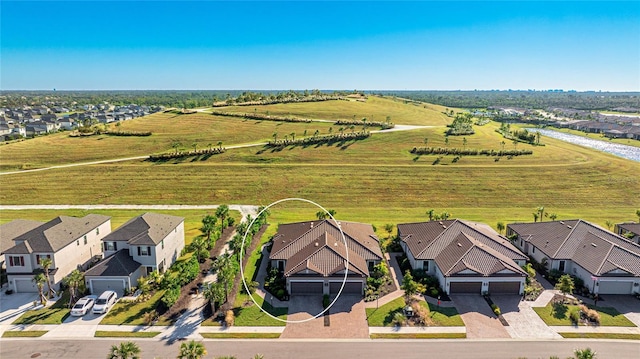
(624, 151)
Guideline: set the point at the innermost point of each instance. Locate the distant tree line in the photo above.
(467, 152)
(261, 117)
(524, 99)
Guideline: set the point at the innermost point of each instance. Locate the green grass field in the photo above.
(601, 336)
(24, 333)
(375, 180)
(608, 316)
(418, 336)
(240, 335)
(132, 313)
(441, 316)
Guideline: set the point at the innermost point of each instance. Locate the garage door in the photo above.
(349, 288)
(614, 287)
(101, 285)
(306, 288)
(26, 286)
(465, 287)
(504, 287)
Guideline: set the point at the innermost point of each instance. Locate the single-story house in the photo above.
(313, 258)
(149, 242)
(605, 261)
(466, 257)
(629, 230)
(70, 242)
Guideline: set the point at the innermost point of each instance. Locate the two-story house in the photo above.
(146, 243)
(69, 242)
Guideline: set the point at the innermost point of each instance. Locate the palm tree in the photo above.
(584, 353)
(126, 350)
(541, 212)
(220, 144)
(535, 217)
(195, 146)
(502, 144)
(192, 350)
(40, 279)
(46, 263)
(321, 215)
(175, 145)
(430, 213)
(500, 227)
(73, 280)
(444, 215)
(275, 137)
(464, 142)
(638, 214)
(214, 293)
(553, 216)
(293, 136)
(208, 226)
(515, 144)
(608, 223)
(222, 212)
(388, 228)
(199, 247)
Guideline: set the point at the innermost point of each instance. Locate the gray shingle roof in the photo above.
(149, 228)
(458, 245)
(9, 231)
(593, 248)
(120, 264)
(58, 233)
(631, 227)
(318, 246)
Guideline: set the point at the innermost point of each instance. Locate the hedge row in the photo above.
(276, 101)
(173, 155)
(261, 117)
(382, 125)
(127, 133)
(467, 152)
(329, 139)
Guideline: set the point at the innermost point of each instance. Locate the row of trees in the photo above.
(467, 152)
(318, 139)
(462, 125)
(188, 350)
(261, 117)
(364, 123)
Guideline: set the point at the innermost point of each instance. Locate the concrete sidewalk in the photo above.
(595, 329)
(221, 329)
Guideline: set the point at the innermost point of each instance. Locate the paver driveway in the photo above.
(478, 317)
(347, 318)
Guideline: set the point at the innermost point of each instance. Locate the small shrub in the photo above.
(399, 319)
(433, 292)
(325, 301)
(593, 316)
(229, 318)
(574, 315)
(496, 309)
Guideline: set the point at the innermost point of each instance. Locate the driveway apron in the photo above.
(347, 318)
(523, 321)
(478, 317)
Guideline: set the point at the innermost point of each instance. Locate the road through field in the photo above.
(244, 209)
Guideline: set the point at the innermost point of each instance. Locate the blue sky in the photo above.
(365, 45)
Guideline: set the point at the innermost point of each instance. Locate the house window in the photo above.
(144, 251)
(97, 231)
(561, 266)
(85, 239)
(110, 246)
(533, 249)
(162, 243)
(77, 242)
(425, 266)
(16, 261)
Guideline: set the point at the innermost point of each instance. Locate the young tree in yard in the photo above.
(40, 279)
(199, 247)
(126, 350)
(535, 217)
(214, 293)
(46, 263)
(500, 227)
(192, 350)
(565, 284)
(222, 212)
(389, 229)
(410, 286)
(73, 280)
(609, 224)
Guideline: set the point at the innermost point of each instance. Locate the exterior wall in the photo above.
(28, 264)
(173, 245)
(120, 245)
(78, 254)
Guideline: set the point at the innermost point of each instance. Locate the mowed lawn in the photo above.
(374, 109)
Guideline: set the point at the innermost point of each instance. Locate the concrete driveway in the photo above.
(523, 321)
(625, 304)
(12, 306)
(478, 317)
(347, 318)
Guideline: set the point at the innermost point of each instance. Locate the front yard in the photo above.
(558, 315)
(441, 316)
(133, 313)
(54, 314)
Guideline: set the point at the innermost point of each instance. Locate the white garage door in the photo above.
(610, 287)
(26, 286)
(101, 285)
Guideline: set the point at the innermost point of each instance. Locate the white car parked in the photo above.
(104, 302)
(83, 305)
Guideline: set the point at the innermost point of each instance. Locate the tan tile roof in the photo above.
(458, 245)
(318, 246)
(59, 232)
(9, 231)
(592, 247)
(149, 228)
